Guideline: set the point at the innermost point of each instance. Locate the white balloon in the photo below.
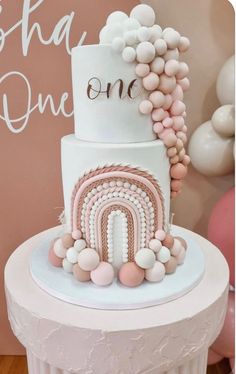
(211, 154)
(225, 83)
(223, 120)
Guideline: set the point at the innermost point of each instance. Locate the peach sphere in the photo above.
(131, 275)
(67, 240)
(182, 241)
(178, 171)
(103, 275)
(151, 81)
(167, 84)
(53, 259)
(80, 274)
(168, 241)
(171, 265)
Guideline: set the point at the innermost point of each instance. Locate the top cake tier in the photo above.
(107, 94)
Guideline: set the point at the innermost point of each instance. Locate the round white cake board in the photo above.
(64, 286)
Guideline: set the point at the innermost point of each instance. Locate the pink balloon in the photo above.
(213, 357)
(221, 229)
(225, 344)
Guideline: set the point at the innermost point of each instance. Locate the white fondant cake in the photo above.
(127, 157)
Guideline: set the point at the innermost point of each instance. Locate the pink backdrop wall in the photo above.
(30, 183)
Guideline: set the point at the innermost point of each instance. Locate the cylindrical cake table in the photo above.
(171, 338)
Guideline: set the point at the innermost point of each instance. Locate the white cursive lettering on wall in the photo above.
(61, 32)
(14, 124)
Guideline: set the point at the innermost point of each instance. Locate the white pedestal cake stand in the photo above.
(62, 338)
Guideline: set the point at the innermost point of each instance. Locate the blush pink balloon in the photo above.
(221, 231)
(232, 364)
(225, 343)
(213, 357)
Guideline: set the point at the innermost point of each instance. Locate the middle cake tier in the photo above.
(117, 195)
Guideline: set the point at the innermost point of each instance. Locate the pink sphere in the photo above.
(158, 127)
(178, 171)
(158, 114)
(168, 102)
(76, 234)
(178, 122)
(171, 67)
(145, 52)
(225, 343)
(179, 145)
(151, 81)
(183, 70)
(157, 98)
(221, 231)
(165, 133)
(171, 152)
(171, 265)
(176, 185)
(181, 135)
(67, 240)
(157, 65)
(88, 259)
(103, 275)
(168, 241)
(167, 84)
(145, 107)
(184, 44)
(53, 259)
(170, 140)
(142, 70)
(178, 94)
(167, 122)
(184, 83)
(186, 160)
(80, 274)
(131, 275)
(177, 108)
(174, 160)
(160, 235)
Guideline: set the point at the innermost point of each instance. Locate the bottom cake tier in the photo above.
(65, 286)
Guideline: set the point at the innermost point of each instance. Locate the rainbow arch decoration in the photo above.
(106, 192)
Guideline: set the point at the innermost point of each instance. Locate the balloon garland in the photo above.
(211, 146)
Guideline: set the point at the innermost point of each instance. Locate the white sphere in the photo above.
(131, 24)
(155, 245)
(118, 44)
(156, 33)
(156, 273)
(79, 244)
(130, 37)
(158, 65)
(59, 249)
(129, 54)
(223, 120)
(67, 266)
(88, 259)
(160, 46)
(145, 52)
(171, 54)
(210, 153)
(184, 44)
(163, 255)
(171, 38)
(72, 255)
(117, 16)
(144, 14)
(144, 34)
(145, 258)
(109, 32)
(225, 83)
